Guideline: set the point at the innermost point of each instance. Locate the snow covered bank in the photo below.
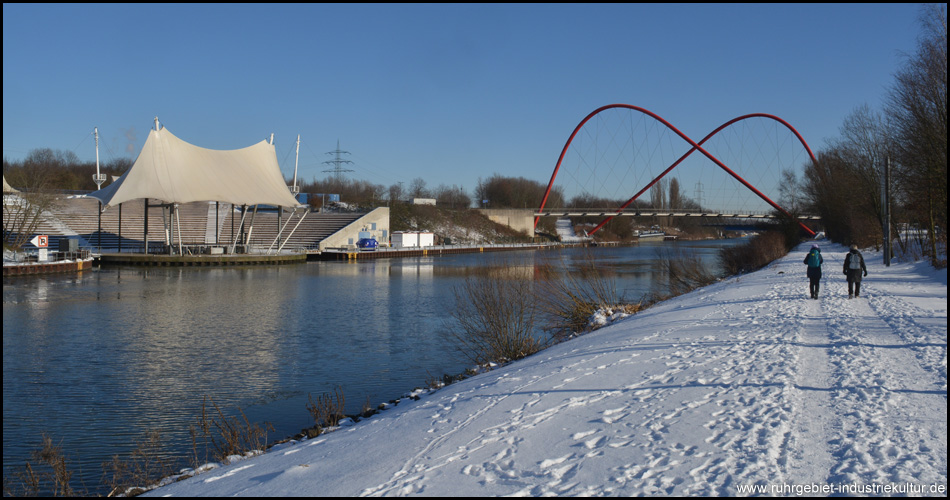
(745, 384)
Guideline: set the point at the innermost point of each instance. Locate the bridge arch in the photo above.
(695, 146)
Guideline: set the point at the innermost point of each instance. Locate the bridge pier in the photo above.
(515, 218)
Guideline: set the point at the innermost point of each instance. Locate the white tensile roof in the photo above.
(7, 188)
(174, 171)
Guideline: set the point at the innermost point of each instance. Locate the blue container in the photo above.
(367, 244)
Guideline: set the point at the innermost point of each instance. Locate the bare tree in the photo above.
(516, 192)
(865, 143)
(845, 184)
(451, 196)
(417, 188)
(826, 186)
(917, 108)
(677, 198)
(395, 192)
(658, 194)
(658, 198)
(791, 196)
(357, 192)
(23, 211)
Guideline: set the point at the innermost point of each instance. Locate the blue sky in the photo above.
(449, 93)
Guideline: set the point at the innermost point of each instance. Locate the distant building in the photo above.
(423, 201)
(410, 239)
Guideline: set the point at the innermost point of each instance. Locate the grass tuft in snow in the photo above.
(327, 410)
(228, 436)
(50, 477)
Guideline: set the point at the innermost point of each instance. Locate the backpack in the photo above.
(813, 259)
(855, 262)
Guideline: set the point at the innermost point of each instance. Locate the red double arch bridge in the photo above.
(696, 146)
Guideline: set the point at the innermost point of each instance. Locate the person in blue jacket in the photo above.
(813, 260)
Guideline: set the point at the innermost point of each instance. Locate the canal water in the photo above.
(97, 359)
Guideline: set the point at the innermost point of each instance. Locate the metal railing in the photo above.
(662, 212)
(31, 255)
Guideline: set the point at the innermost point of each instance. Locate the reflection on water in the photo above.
(98, 358)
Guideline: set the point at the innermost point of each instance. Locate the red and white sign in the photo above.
(40, 241)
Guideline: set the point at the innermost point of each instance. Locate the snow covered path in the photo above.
(746, 383)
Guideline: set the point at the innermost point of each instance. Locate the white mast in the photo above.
(96, 132)
(296, 161)
(98, 178)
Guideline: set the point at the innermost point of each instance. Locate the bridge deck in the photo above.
(656, 213)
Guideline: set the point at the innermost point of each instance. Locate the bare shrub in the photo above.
(229, 436)
(51, 477)
(494, 316)
(756, 254)
(22, 483)
(567, 300)
(147, 465)
(684, 269)
(327, 410)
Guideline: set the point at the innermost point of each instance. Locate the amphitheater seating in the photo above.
(77, 218)
(314, 228)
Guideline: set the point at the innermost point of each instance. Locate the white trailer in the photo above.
(413, 239)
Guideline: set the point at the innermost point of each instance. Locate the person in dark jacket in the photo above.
(854, 268)
(813, 260)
